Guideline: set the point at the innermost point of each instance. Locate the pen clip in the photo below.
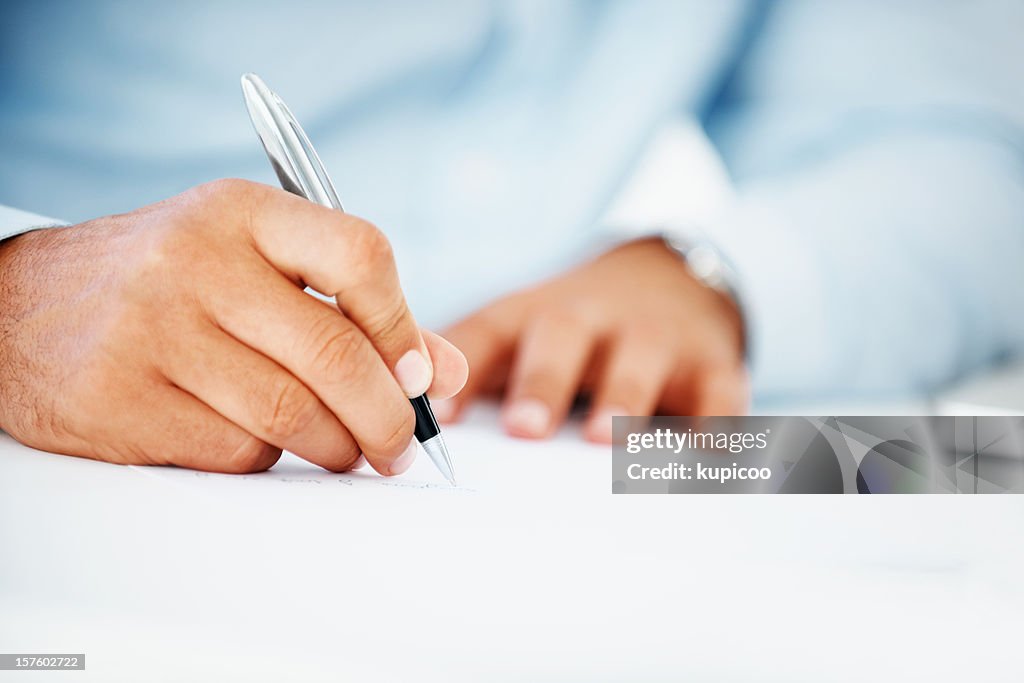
(296, 163)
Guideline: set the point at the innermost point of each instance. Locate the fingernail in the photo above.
(528, 417)
(360, 463)
(601, 423)
(413, 374)
(444, 410)
(405, 460)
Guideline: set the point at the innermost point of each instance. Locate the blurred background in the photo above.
(864, 158)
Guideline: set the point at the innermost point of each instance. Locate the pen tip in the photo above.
(438, 452)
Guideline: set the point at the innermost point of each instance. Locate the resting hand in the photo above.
(633, 328)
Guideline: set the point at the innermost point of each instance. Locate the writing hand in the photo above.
(180, 334)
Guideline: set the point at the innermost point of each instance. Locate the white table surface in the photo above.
(167, 578)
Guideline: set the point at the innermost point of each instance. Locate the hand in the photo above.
(633, 327)
(180, 334)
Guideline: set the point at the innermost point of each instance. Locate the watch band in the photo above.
(709, 267)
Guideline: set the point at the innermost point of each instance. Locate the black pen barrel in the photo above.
(426, 425)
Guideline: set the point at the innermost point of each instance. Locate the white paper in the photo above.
(530, 570)
(487, 462)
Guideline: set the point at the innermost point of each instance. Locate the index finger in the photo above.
(348, 258)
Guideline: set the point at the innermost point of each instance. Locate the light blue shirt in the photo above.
(878, 221)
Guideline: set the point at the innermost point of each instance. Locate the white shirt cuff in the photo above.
(678, 183)
(681, 188)
(15, 222)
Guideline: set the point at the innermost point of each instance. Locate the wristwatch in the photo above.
(708, 266)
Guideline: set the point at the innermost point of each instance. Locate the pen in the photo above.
(301, 172)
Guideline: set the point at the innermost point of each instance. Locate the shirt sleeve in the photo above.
(15, 222)
(889, 266)
(882, 256)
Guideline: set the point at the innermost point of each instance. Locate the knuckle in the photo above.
(543, 382)
(251, 455)
(337, 348)
(129, 453)
(627, 392)
(647, 331)
(345, 460)
(209, 207)
(190, 232)
(291, 409)
(389, 323)
(170, 249)
(485, 326)
(562, 315)
(227, 188)
(370, 246)
(396, 431)
(724, 381)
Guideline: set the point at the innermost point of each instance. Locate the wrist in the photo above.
(707, 303)
(708, 268)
